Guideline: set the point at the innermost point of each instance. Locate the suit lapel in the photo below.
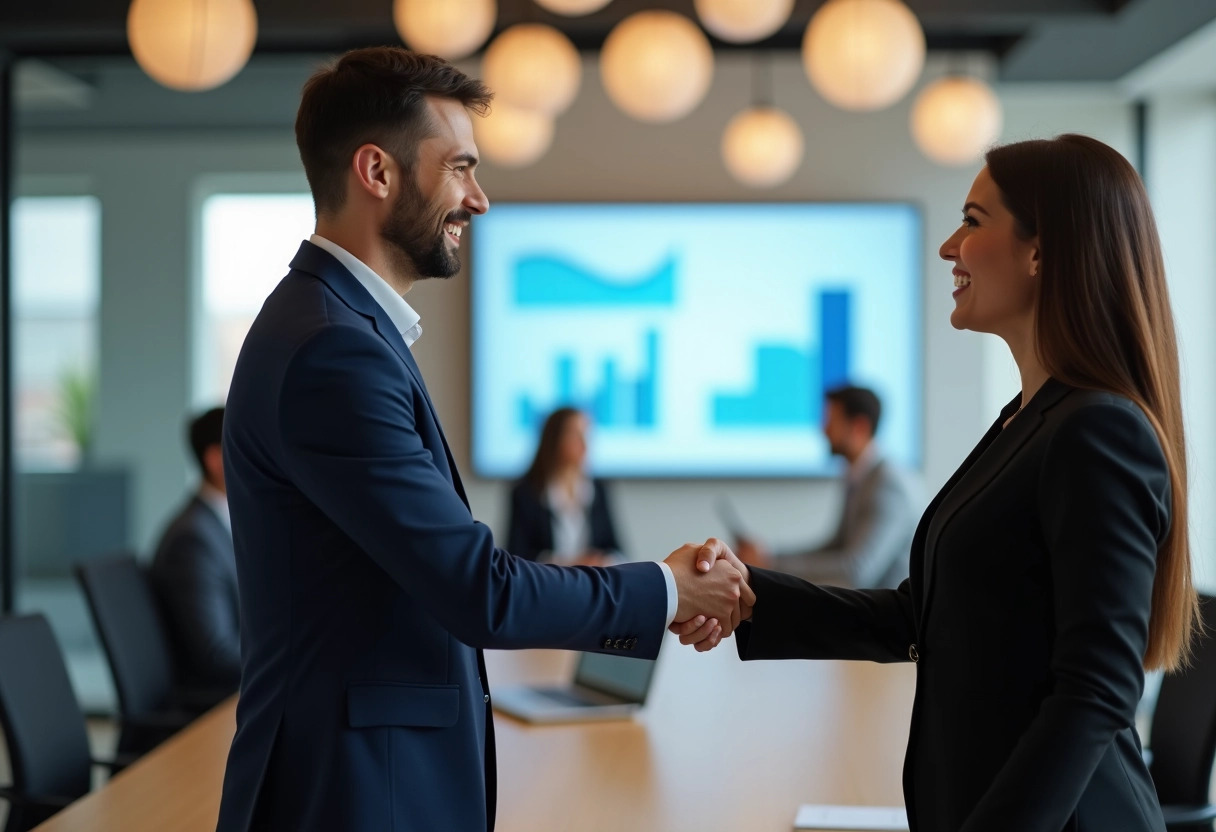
(319, 262)
(981, 467)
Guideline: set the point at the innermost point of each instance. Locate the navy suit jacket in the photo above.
(367, 589)
(194, 573)
(1027, 613)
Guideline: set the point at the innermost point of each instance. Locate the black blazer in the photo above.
(1027, 610)
(530, 527)
(194, 575)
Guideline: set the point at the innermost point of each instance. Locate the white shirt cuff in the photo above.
(673, 596)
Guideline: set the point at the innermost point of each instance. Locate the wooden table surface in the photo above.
(722, 745)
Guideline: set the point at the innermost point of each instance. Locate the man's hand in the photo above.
(711, 604)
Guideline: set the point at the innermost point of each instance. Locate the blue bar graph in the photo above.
(834, 309)
(615, 400)
(790, 379)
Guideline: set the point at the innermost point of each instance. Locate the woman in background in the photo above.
(558, 513)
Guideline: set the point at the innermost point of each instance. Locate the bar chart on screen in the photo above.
(699, 339)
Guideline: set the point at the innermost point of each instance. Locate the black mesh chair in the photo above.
(1183, 736)
(44, 728)
(136, 643)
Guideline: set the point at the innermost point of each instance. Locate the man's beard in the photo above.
(412, 235)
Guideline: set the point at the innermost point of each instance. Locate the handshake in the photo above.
(714, 596)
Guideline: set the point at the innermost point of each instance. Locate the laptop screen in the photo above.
(628, 679)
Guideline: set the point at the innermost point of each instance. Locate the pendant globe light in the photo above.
(955, 119)
(572, 8)
(191, 45)
(511, 136)
(533, 66)
(863, 54)
(451, 29)
(656, 66)
(743, 21)
(762, 147)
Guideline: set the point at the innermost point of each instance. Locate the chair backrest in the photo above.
(1183, 730)
(132, 632)
(44, 729)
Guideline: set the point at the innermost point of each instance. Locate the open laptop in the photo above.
(604, 687)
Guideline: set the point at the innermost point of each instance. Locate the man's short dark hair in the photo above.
(203, 432)
(372, 95)
(857, 401)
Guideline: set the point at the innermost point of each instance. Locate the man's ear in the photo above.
(373, 169)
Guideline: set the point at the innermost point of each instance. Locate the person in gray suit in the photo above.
(881, 506)
(194, 574)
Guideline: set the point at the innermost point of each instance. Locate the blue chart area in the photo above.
(700, 338)
(616, 401)
(790, 380)
(550, 281)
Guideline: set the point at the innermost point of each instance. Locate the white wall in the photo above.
(145, 183)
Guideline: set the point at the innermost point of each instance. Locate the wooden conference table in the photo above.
(721, 746)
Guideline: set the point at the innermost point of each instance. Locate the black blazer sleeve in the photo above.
(1104, 505)
(529, 525)
(794, 619)
(603, 528)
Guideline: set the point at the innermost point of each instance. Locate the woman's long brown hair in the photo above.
(1104, 322)
(544, 464)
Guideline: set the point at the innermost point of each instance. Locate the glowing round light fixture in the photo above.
(533, 66)
(572, 8)
(191, 45)
(863, 54)
(762, 147)
(451, 29)
(656, 65)
(743, 21)
(511, 136)
(955, 119)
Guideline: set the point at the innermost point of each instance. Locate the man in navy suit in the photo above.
(194, 575)
(367, 589)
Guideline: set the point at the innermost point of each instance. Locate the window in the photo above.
(56, 292)
(247, 242)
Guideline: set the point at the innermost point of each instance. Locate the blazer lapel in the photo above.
(989, 458)
(317, 261)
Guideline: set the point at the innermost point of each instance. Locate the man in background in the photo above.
(194, 574)
(881, 506)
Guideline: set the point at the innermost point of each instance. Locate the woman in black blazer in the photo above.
(558, 514)
(1053, 566)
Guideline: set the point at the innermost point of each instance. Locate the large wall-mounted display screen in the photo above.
(698, 337)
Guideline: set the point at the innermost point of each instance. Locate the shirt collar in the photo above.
(399, 312)
(217, 501)
(864, 464)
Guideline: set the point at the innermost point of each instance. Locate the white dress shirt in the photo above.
(217, 501)
(407, 322)
(399, 312)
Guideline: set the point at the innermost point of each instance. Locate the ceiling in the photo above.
(76, 71)
(1034, 40)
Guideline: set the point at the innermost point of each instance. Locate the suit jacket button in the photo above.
(913, 653)
(617, 644)
(486, 699)
(607, 644)
(631, 643)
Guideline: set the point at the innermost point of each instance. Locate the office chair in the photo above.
(44, 728)
(1183, 735)
(136, 644)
